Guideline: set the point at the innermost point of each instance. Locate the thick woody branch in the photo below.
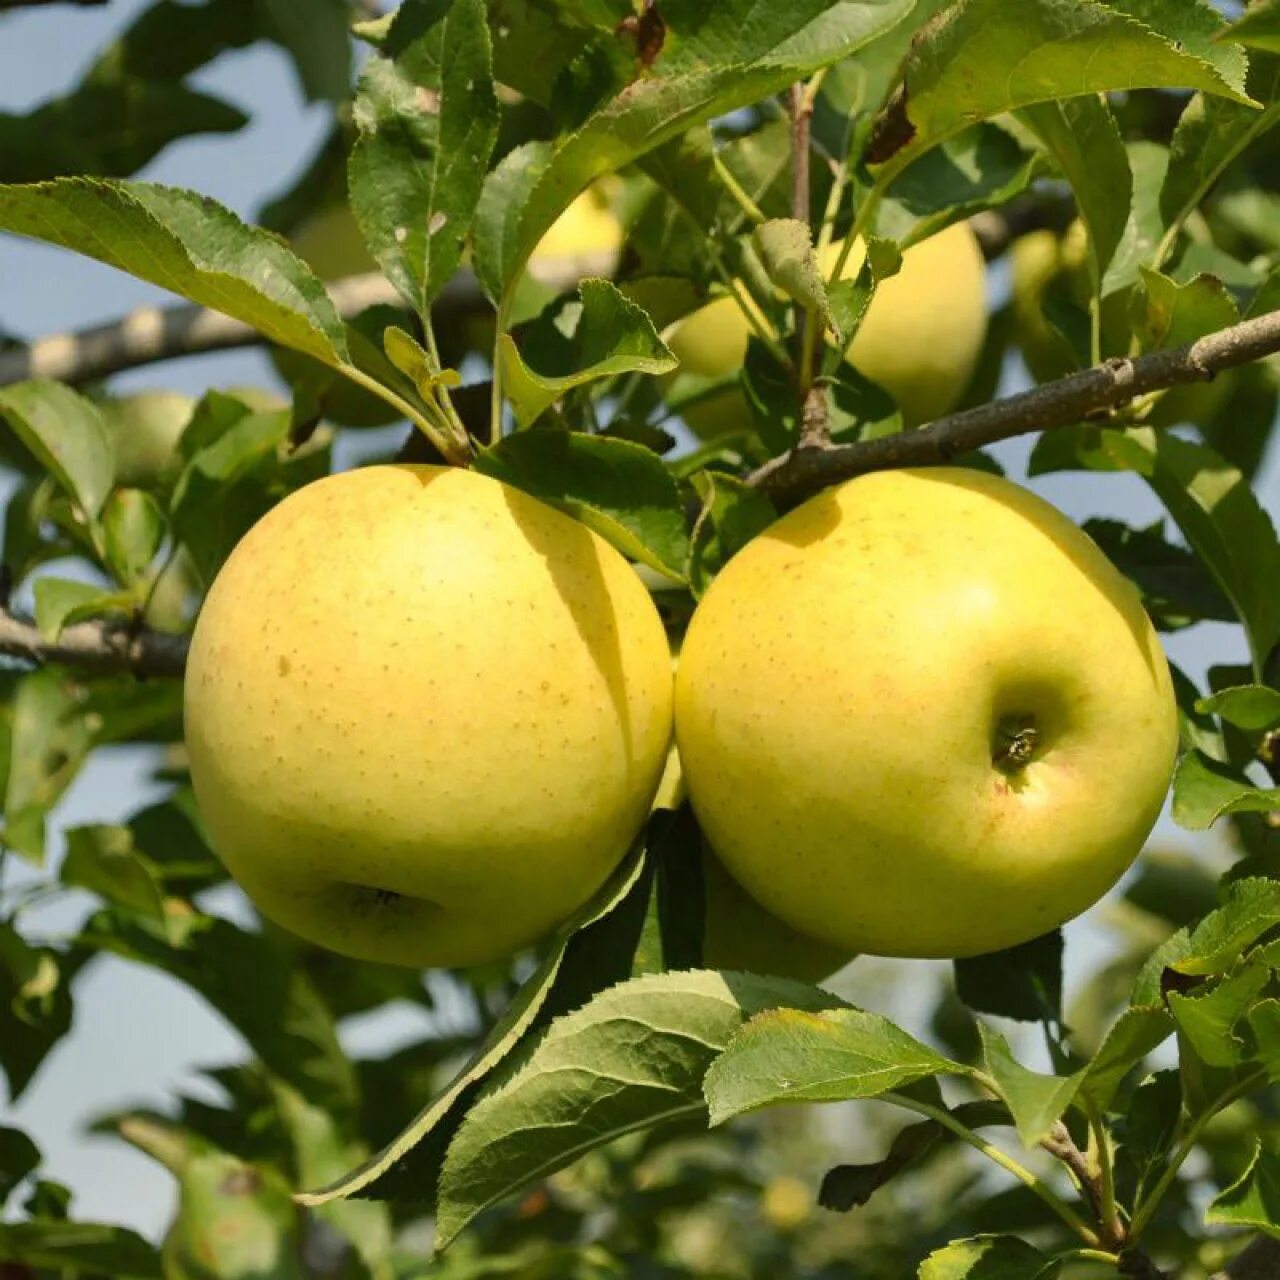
(152, 334)
(1090, 394)
(97, 647)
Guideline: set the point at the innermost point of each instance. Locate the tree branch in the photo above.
(1089, 394)
(1062, 1146)
(1259, 1261)
(98, 647)
(152, 334)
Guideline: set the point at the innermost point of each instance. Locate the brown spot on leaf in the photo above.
(649, 31)
(891, 130)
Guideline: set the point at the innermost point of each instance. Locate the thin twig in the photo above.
(1062, 1146)
(1089, 394)
(98, 647)
(152, 334)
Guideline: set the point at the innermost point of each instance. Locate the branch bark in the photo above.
(98, 647)
(1089, 394)
(153, 334)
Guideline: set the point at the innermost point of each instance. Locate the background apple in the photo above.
(923, 715)
(920, 339)
(431, 743)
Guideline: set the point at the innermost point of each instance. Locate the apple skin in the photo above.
(426, 714)
(920, 339)
(739, 934)
(840, 700)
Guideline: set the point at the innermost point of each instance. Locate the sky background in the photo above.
(138, 1036)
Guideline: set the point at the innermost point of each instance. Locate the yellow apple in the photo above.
(426, 714)
(739, 933)
(920, 339)
(923, 715)
(587, 228)
(145, 429)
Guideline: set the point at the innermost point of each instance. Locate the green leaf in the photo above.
(591, 950)
(986, 57)
(107, 130)
(80, 1248)
(1137, 1032)
(169, 39)
(619, 489)
(1222, 521)
(428, 119)
(794, 1055)
(1254, 707)
(1150, 1126)
(315, 33)
(35, 1007)
(1252, 907)
(1191, 26)
(1176, 588)
(227, 485)
(602, 335)
(103, 860)
(133, 530)
(1212, 133)
(981, 168)
(252, 980)
(714, 60)
(1259, 27)
(1023, 982)
(188, 244)
(60, 602)
(234, 1220)
(1082, 136)
(1207, 1018)
(633, 1058)
(1172, 314)
(18, 1157)
(66, 433)
(1263, 1022)
(732, 514)
(1204, 791)
(1037, 1102)
(786, 249)
(1253, 1200)
(48, 741)
(849, 1186)
(988, 1258)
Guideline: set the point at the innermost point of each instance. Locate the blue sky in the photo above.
(138, 1035)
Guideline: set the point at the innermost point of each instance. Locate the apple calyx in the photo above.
(1015, 743)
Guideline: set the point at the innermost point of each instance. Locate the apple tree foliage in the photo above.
(578, 1112)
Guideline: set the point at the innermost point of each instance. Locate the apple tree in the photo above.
(715, 290)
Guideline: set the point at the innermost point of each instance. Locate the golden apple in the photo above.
(739, 933)
(923, 715)
(920, 339)
(587, 228)
(145, 429)
(426, 714)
